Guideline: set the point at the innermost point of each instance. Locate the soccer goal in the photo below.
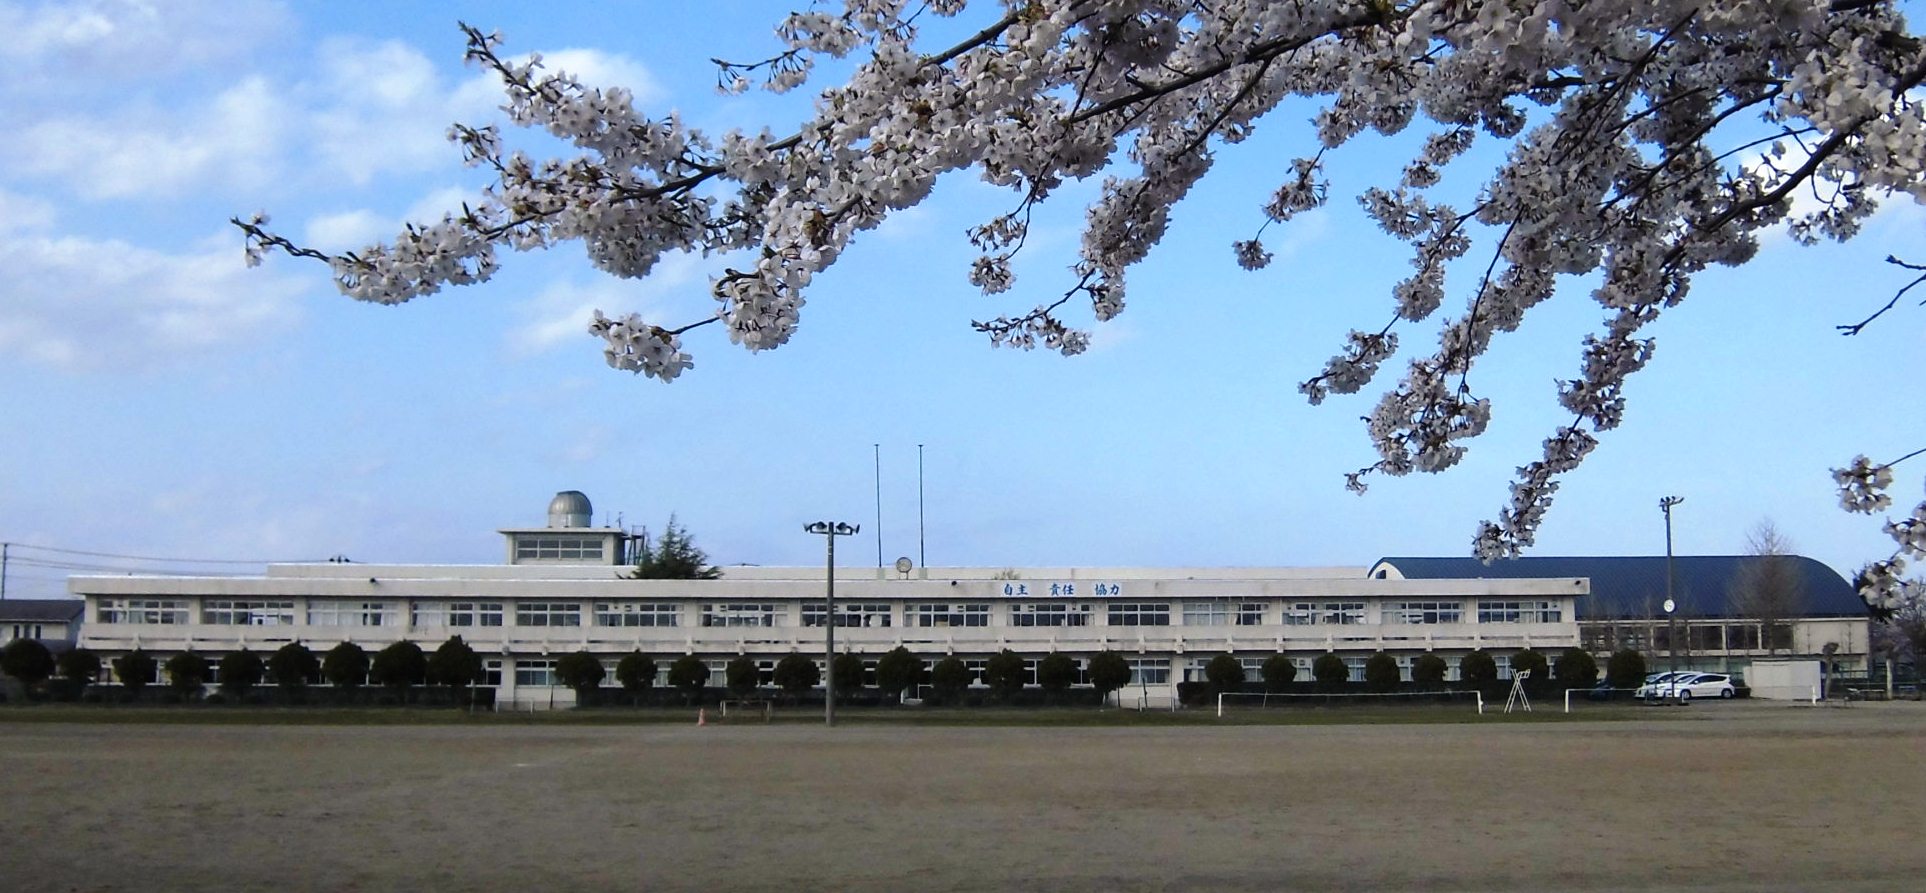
(748, 708)
(1237, 700)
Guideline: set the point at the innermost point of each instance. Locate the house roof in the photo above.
(41, 610)
(1634, 586)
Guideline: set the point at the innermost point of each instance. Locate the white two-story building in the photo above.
(566, 587)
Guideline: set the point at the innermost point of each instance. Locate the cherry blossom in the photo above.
(1642, 141)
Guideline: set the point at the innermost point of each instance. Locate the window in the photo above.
(248, 613)
(740, 614)
(491, 672)
(1250, 614)
(637, 614)
(1424, 612)
(972, 614)
(848, 614)
(1253, 668)
(1149, 670)
(1300, 614)
(428, 614)
(1519, 612)
(1141, 614)
(475, 614)
(1504, 665)
(340, 613)
(558, 548)
(534, 672)
(1205, 614)
(1346, 613)
(142, 610)
(1354, 667)
(548, 614)
(1049, 615)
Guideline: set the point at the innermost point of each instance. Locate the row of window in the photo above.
(848, 614)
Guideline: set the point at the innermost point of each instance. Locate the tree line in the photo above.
(456, 667)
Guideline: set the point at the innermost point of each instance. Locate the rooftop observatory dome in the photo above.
(569, 508)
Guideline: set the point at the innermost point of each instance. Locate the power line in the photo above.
(165, 559)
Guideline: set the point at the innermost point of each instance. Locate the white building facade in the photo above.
(566, 588)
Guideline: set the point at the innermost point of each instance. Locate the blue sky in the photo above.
(162, 400)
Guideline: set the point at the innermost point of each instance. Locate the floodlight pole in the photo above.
(830, 530)
(1671, 615)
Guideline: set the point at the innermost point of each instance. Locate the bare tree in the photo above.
(1768, 587)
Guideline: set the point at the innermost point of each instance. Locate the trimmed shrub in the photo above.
(454, 664)
(797, 674)
(1004, 673)
(581, 671)
(1533, 661)
(1381, 672)
(1625, 669)
(1330, 671)
(1478, 668)
(27, 660)
(1224, 673)
(241, 672)
(1056, 672)
(897, 670)
(688, 675)
(345, 666)
(739, 676)
(80, 665)
(636, 672)
(949, 678)
(135, 669)
(849, 674)
(1279, 672)
(1575, 668)
(1108, 671)
(187, 673)
(291, 666)
(399, 666)
(1429, 670)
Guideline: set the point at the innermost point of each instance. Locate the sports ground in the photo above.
(1721, 797)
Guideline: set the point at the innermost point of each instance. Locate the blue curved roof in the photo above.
(1635, 586)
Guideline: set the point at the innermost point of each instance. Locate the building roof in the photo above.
(42, 610)
(1634, 586)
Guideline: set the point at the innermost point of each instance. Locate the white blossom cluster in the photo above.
(1864, 487)
(1628, 131)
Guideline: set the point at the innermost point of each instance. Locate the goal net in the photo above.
(1234, 701)
(747, 709)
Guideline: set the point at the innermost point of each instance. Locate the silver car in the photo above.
(1703, 685)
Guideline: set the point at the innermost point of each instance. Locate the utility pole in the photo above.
(830, 530)
(1671, 612)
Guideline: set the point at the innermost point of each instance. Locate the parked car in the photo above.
(1655, 685)
(1703, 685)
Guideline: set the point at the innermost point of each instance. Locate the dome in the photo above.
(569, 508)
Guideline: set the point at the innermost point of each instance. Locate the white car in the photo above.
(1702, 685)
(1656, 685)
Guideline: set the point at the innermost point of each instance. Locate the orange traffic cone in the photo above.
(702, 716)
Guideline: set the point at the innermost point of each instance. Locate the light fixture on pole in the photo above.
(1671, 607)
(830, 530)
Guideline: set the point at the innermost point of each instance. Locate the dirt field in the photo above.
(1717, 797)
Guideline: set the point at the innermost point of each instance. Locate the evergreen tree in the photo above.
(672, 556)
(241, 672)
(291, 666)
(1279, 672)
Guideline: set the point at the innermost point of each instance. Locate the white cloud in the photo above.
(351, 230)
(72, 302)
(23, 213)
(161, 152)
(674, 294)
(597, 68)
(51, 45)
